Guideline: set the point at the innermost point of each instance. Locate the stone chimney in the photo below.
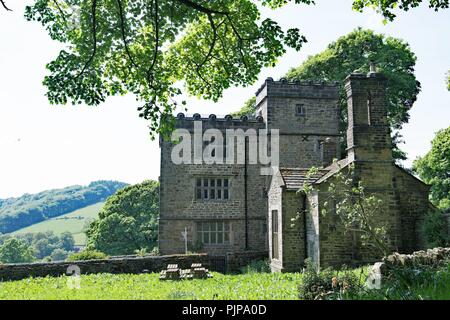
(368, 132)
(328, 151)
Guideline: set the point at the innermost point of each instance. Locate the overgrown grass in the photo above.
(253, 286)
(433, 284)
(414, 283)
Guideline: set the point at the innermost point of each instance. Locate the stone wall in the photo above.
(179, 208)
(131, 265)
(235, 261)
(301, 134)
(383, 271)
(430, 257)
(275, 197)
(293, 232)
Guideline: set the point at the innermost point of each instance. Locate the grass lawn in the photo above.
(250, 286)
(72, 222)
(148, 286)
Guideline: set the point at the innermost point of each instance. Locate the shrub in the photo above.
(155, 251)
(87, 255)
(435, 230)
(141, 252)
(59, 255)
(328, 284)
(15, 251)
(257, 266)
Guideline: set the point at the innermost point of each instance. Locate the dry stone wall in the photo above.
(131, 264)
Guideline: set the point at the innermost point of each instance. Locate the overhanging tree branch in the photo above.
(94, 37)
(60, 10)
(150, 76)
(124, 38)
(4, 5)
(201, 8)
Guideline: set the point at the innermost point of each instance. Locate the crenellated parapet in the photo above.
(294, 89)
(212, 121)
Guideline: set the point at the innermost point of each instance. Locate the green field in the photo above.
(148, 286)
(250, 286)
(72, 222)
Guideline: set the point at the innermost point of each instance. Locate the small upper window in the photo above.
(300, 110)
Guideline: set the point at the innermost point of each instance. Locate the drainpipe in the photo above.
(305, 244)
(245, 194)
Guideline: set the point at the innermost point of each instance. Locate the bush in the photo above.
(435, 230)
(59, 255)
(155, 251)
(257, 266)
(15, 251)
(87, 255)
(328, 284)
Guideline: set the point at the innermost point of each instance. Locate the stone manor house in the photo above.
(233, 208)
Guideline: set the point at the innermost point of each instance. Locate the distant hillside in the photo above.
(17, 213)
(73, 222)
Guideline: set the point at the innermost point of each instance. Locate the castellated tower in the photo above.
(307, 117)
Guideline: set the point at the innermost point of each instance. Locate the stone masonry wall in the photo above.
(414, 205)
(131, 265)
(301, 134)
(293, 232)
(179, 208)
(275, 198)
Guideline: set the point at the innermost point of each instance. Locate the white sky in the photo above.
(43, 146)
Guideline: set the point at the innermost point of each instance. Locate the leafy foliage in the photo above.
(435, 230)
(59, 255)
(88, 254)
(355, 51)
(128, 221)
(386, 7)
(15, 251)
(44, 244)
(357, 211)
(146, 46)
(328, 284)
(17, 213)
(247, 110)
(418, 282)
(434, 168)
(448, 80)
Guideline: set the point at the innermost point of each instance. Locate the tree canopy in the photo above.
(15, 251)
(42, 245)
(356, 51)
(386, 7)
(434, 169)
(150, 47)
(146, 47)
(128, 221)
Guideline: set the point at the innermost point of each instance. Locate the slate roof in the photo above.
(332, 169)
(294, 178)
